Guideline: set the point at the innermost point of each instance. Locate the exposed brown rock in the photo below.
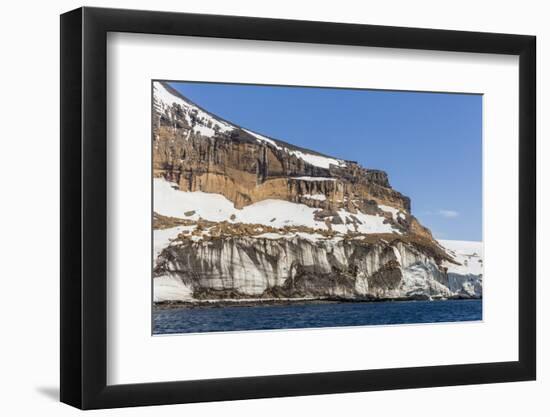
(245, 170)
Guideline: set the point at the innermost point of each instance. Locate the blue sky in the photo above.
(428, 143)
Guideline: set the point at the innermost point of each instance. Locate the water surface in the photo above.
(298, 316)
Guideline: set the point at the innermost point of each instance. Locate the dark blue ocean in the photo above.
(299, 316)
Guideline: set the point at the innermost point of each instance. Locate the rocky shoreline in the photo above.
(167, 305)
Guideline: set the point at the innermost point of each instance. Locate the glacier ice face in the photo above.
(466, 274)
(469, 285)
(171, 287)
(297, 267)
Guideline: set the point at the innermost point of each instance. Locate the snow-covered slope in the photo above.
(208, 125)
(169, 201)
(468, 254)
(205, 122)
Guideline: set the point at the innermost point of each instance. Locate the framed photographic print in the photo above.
(258, 207)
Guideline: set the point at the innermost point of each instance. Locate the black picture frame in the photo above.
(84, 207)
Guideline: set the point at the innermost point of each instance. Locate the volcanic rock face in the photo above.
(241, 215)
(202, 153)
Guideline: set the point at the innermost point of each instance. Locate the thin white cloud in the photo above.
(449, 214)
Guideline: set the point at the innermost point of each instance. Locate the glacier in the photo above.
(304, 265)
